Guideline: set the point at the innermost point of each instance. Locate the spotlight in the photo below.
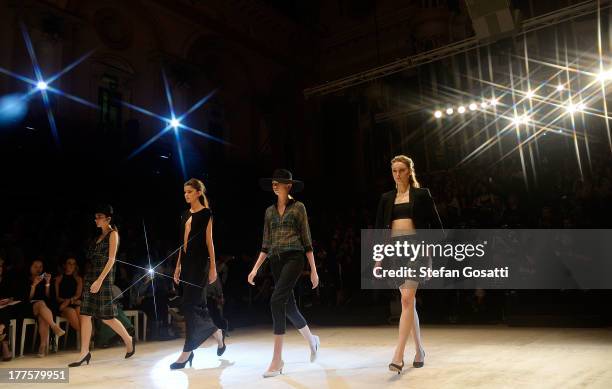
(571, 108)
(175, 123)
(438, 114)
(461, 109)
(449, 111)
(604, 75)
(493, 101)
(581, 107)
(529, 94)
(484, 104)
(151, 271)
(473, 107)
(41, 85)
(518, 120)
(560, 87)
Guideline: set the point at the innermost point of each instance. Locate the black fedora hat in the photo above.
(283, 176)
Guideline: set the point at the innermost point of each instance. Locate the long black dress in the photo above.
(194, 272)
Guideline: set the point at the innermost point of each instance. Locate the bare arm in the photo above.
(260, 260)
(210, 245)
(112, 252)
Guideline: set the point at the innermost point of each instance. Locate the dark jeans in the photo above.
(286, 270)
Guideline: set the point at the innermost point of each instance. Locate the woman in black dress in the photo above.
(68, 291)
(404, 210)
(97, 291)
(38, 294)
(196, 264)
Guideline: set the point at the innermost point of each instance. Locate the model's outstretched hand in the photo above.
(314, 278)
(251, 277)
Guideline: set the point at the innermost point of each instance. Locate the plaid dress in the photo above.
(99, 304)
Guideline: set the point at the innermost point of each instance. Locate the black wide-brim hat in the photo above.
(283, 176)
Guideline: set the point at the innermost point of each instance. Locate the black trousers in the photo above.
(286, 270)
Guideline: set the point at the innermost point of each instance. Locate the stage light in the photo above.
(581, 107)
(473, 107)
(461, 109)
(175, 123)
(529, 94)
(493, 102)
(520, 119)
(438, 114)
(604, 75)
(571, 108)
(560, 87)
(449, 111)
(484, 104)
(151, 271)
(41, 85)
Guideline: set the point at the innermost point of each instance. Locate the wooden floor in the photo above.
(357, 357)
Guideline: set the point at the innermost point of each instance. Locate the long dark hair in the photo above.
(199, 186)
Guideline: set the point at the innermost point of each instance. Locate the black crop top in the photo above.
(402, 211)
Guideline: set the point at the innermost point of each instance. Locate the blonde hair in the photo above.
(412, 180)
(199, 186)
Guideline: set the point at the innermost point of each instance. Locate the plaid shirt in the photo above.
(287, 233)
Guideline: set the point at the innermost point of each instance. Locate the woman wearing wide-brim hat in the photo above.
(286, 238)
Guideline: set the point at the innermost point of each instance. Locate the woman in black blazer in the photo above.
(405, 210)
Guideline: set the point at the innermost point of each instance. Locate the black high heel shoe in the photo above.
(79, 363)
(127, 355)
(396, 367)
(221, 350)
(419, 364)
(181, 365)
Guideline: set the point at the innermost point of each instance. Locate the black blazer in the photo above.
(425, 213)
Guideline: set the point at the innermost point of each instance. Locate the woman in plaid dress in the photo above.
(97, 295)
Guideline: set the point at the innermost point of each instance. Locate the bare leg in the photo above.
(121, 331)
(73, 318)
(41, 311)
(277, 357)
(405, 323)
(218, 335)
(43, 331)
(85, 325)
(418, 343)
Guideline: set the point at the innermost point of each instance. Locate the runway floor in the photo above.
(357, 357)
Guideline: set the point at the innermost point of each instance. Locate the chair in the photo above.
(26, 323)
(13, 335)
(59, 320)
(134, 315)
